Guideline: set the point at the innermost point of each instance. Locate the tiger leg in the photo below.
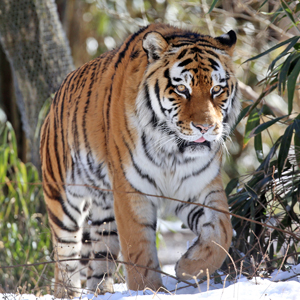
(66, 225)
(136, 219)
(214, 233)
(86, 249)
(105, 248)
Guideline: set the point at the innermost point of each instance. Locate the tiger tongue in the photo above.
(201, 140)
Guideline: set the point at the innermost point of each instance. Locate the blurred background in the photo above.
(42, 41)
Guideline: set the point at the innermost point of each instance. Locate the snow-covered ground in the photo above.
(280, 286)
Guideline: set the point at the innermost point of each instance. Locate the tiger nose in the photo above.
(203, 127)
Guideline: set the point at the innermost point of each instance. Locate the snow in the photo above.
(280, 286)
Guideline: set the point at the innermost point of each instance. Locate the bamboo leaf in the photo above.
(263, 5)
(212, 6)
(265, 125)
(251, 192)
(283, 53)
(285, 69)
(284, 148)
(297, 139)
(297, 46)
(291, 84)
(232, 184)
(288, 11)
(273, 48)
(252, 122)
(258, 147)
(266, 110)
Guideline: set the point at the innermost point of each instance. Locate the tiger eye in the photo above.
(216, 89)
(181, 88)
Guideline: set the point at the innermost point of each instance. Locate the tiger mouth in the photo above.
(185, 144)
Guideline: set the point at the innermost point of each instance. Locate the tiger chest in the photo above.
(171, 177)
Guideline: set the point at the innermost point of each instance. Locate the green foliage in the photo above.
(24, 234)
(271, 194)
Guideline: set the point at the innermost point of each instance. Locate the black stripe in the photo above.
(85, 259)
(182, 54)
(56, 197)
(101, 222)
(85, 237)
(167, 75)
(184, 205)
(138, 169)
(190, 214)
(196, 173)
(100, 276)
(57, 154)
(185, 62)
(156, 89)
(124, 173)
(59, 223)
(63, 241)
(210, 193)
(177, 79)
(145, 148)
(120, 58)
(151, 226)
(196, 50)
(196, 217)
(107, 233)
(213, 64)
(212, 53)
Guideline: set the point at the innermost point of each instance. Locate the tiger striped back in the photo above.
(149, 118)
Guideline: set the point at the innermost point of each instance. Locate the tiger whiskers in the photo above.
(225, 136)
(160, 143)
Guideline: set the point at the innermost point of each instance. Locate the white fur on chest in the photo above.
(182, 180)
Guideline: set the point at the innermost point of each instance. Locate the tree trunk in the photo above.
(35, 45)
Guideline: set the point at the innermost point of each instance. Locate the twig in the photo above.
(277, 271)
(96, 259)
(172, 199)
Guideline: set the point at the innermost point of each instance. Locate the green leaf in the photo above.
(297, 46)
(251, 192)
(252, 122)
(285, 69)
(283, 53)
(266, 110)
(284, 148)
(273, 48)
(232, 184)
(265, 125)
(212, 6)
(263, 5)
(258, 147)
(291, 84)
(288, 11)
(297, 140)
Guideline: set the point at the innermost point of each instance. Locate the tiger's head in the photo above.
(189, 90)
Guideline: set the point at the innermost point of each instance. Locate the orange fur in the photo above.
(92, 137)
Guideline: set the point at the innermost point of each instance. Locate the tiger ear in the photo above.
(154, 45)
(227, 41)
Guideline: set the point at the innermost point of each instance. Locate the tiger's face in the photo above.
(192, 90)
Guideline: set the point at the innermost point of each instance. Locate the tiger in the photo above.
(127, 132)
